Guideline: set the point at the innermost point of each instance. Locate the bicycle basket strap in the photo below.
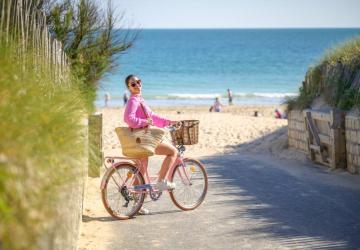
(144, 110)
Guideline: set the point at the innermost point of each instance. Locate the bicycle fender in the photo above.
(192, 159)
(103, 180)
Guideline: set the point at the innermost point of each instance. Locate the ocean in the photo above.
(193, 66)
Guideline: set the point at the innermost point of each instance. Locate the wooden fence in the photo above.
(23, 28)
(22, 23)
(326, 133)
(321, 135)
(95, 157)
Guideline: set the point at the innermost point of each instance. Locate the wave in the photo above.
(267, 95)
(193, 96)
(189, 96)
(212, 96)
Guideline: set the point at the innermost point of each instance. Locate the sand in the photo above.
(234, 131)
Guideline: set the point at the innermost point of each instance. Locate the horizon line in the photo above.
(232, 28)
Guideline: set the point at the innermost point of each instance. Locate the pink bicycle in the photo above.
(124, 188)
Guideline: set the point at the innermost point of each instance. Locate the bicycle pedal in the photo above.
(140, 187)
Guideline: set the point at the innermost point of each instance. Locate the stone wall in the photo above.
(352, 133)
(297, 135)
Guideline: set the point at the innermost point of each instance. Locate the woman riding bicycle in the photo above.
(135, 117)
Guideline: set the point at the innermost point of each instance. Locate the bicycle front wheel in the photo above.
(118, 194)
(191, 184)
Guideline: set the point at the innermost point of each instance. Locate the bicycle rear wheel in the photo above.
(191, 184)
(118, 195)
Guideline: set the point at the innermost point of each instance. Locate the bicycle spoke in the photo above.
(114, 195)
(117, 203)
(184, 197)
(190, 187)
(121, 201)
(194, 194)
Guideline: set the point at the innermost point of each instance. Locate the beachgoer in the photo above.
(107, 98)
(230, 97)
(125, 98)
(135, 117)
(216, 106)
(277, 114)
(256, 113)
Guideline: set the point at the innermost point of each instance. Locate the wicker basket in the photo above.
(188, 134)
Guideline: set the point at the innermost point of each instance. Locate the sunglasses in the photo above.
(138, 82)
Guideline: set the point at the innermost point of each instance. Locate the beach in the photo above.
(234, 129)
(256, 77)
(231, 133)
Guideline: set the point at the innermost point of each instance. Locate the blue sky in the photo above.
(240, 13)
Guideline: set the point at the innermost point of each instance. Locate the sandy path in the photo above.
(219, 132)
(253, 202)
(232, 132)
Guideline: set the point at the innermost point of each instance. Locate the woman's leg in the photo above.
(170, 151)
(144, 165)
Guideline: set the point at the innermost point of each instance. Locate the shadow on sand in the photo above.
(86, 218)
(165, 212)
(303, 205)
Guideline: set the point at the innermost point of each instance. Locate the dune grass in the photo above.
(332, 78)
(42, 146)
(347, 53)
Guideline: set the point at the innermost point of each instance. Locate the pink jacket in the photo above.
(134, 115)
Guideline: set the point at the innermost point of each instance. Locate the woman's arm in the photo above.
(130, 114)
(159, 121)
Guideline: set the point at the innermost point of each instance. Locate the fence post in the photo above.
(95, 145)
(337, 137)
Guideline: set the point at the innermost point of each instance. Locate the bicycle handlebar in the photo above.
(174, 127)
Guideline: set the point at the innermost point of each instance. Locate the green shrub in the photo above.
(333, 79)
(42, 146)
(347, 53)
(302, 101)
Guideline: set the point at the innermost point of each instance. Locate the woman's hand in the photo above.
(149, 121)
(176, 123)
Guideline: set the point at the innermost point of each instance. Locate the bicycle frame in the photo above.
(138, 163)
(127, 181)
(114, 161)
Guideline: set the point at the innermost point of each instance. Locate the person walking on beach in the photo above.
(107, 98)
(230, 97)
(135, 117)
(125, 98)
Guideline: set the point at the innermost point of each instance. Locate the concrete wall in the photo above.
(63, 232)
